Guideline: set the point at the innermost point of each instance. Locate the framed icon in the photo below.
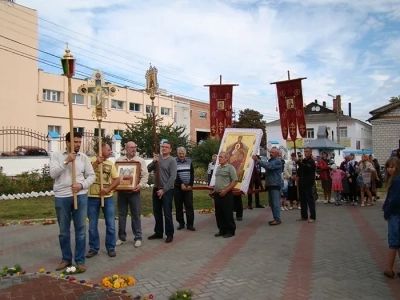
(129, 175)
(221, 104)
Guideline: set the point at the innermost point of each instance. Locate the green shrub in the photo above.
(182, 295)
(200, 174)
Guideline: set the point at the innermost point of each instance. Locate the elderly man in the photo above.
(61, 172)
(183, 193)
(110, 182)
(273, 182)
(131, 199)
(163, 192)
(225, 181)
(306, 174)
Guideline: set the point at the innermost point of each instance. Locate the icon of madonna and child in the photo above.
(238, 152)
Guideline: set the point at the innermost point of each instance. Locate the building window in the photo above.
(134, 106)
(202, 115)
(81, 130)
(175, 116)
(96, 132)
(93, 102)
(148, 109)
(343, 132)
(78, 99)
(165, 111)
(310, 133)
(119, 131)
(53, 96)
(54, 128)
(117, 104)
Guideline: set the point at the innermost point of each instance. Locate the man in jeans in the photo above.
(61, 172)
(110, 182)
(306, 174)
(131, 199)
(163, 192)
(273, 182)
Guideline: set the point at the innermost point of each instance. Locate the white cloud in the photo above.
(337, 44)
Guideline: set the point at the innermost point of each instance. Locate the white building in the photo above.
(354, 134)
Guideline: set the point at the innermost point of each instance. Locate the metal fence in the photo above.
(13, 137)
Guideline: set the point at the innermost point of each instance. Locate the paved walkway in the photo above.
(341, 256)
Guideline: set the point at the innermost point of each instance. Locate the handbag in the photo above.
(360, 179)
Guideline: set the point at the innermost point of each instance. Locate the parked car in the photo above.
(26, 151)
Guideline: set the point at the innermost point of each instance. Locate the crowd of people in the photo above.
(288, 184)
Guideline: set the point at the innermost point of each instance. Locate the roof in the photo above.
(53, 135)
(321, 142)
(320, 118)
(376, 113)
(117, 137)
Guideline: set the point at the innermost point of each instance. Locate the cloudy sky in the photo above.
(347, 48)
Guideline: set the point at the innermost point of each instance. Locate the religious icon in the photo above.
(221, 104)
(289, 103)
(129, 174)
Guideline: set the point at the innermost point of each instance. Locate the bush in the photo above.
(200, 174)
(182, 295)
(27, 182)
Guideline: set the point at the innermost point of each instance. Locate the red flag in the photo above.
(291, 110)
(220, 108)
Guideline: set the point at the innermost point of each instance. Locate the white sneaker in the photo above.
(298, 207)
(282, 209)
(331, 201)
(325, 201)
(120, 242)
(286, 208)
(291, 207)
(138, 243)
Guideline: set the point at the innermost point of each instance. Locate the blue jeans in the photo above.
(93, 212)
(274, 199)
(65, 212)
(160, 205)
(394, 231)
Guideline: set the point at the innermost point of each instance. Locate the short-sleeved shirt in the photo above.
(224, 176)
(109, 173)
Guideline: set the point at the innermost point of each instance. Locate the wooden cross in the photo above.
(99, 89)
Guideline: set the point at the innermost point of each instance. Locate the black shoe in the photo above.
(239, 219)
(91, 253)
(169, 239)
(228, 235)
(191, 228)
(219, 234)
(181, 226)
(111, 253)
(250, 207)
(155, 237)
(260, 206)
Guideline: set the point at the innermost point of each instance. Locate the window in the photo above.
(78, 99)
(54, 128)
(49, 95)
(165, 111)
(93, 102)
(81, 130)
(343, 132)
(202, 115)
(119, 131)
(310, 133)
(96, 132)
(175, 116)
(117, 104)
(148, 109)
(134, 106)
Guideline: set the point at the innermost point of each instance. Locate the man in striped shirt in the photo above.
(183, 193)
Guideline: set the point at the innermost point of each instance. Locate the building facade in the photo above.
(385, 122)
(354, 134)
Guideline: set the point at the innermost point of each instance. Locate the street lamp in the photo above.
(68, 66)
(337, 118)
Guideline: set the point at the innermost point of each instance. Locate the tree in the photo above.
(141, 133)
(394, 99)
(201, 154)
(249, 118)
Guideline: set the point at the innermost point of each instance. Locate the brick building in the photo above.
(385, 122)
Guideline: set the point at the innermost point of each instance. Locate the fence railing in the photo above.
(13, 137)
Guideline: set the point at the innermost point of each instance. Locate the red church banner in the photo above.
(291, 110)
(220, 108)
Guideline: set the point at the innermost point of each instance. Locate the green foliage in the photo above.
(201, 154)
(105, 139)
(141, 133)
(249, 118)
(182, 295)
(27, 182)
(394, 99)
(200, 174)
(13, 270)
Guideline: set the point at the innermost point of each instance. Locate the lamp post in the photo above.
(68, 66)
(337, 118)
(99, 89)
(151, 90)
